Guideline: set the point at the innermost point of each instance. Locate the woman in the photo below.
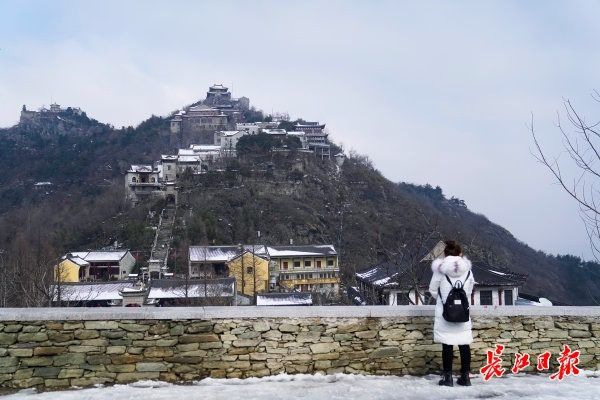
(456, 268)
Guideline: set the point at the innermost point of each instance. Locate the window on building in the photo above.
(307, 263)
(508, 297)
(485, 298)
(330, 262)
(168, 167)
(249, 270)
(402, 299)
(318, 264)
(285, 265)
(133, 179)
(296, 264)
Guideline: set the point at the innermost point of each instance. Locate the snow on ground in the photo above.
(585, 386)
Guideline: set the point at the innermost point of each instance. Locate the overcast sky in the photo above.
(432, 92)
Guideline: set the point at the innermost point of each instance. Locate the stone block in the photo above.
(36, 361)
(20, 352)
(32, 337)
(158, 352)
(151, 367)
(115, 350)
(101, 325)
(126, 359)
(73, 359)
(98, 359)
(86, 334)
(201, 338)
(6, 339)
(159, 328)
(134, 328)
(13, 328)
(49, 351)
(46, 372)
(70, 373)
(71, 326)
(385, 352)
(288, 328)
(318, 348)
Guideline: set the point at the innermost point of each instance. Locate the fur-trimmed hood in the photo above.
(453, 266)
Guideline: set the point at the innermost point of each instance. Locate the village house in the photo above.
(228, 141)
(304, 268)
(397, 282)
(102, 265)
(142, 181)
(309, 268)
(168, 168)
(251, 272)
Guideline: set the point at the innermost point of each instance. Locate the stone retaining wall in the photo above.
(54, 348)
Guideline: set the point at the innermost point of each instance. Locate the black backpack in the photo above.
(456, 307)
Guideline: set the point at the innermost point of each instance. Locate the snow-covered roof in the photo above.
(275, 131)
(198, 148)
(91, 291)
(179, 288)
(231, 133)
(42, 184)
(302, 251)
(99, 256)
(221, 253)
(141, 168)
(284, 299)
(79, 261)
(189, 159)
(168, 157)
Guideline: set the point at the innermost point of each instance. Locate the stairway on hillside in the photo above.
(162, 241)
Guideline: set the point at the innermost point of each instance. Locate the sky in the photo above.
(433, 92)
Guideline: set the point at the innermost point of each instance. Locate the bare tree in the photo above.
(581, 141)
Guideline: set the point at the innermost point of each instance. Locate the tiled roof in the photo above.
(221, 253)
(302, 250)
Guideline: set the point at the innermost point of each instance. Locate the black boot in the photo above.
(464, 379)
(446, 379)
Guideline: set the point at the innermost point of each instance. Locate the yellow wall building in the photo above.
(251, 273)
(68, 270)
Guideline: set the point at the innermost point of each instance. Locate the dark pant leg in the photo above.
(447, 355)
(465, 358)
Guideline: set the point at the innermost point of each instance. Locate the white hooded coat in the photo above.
(457, 268)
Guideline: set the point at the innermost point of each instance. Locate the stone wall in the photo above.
(54, 348)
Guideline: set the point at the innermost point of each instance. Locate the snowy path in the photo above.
(333, 387)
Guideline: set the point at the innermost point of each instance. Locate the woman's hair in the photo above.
(452, 248)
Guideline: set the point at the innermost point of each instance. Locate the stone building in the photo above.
(47, 113)
(316, 137)
(143, 181)
(201, 121)
(218, 112)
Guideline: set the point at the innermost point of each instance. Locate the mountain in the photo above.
(287, 196)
